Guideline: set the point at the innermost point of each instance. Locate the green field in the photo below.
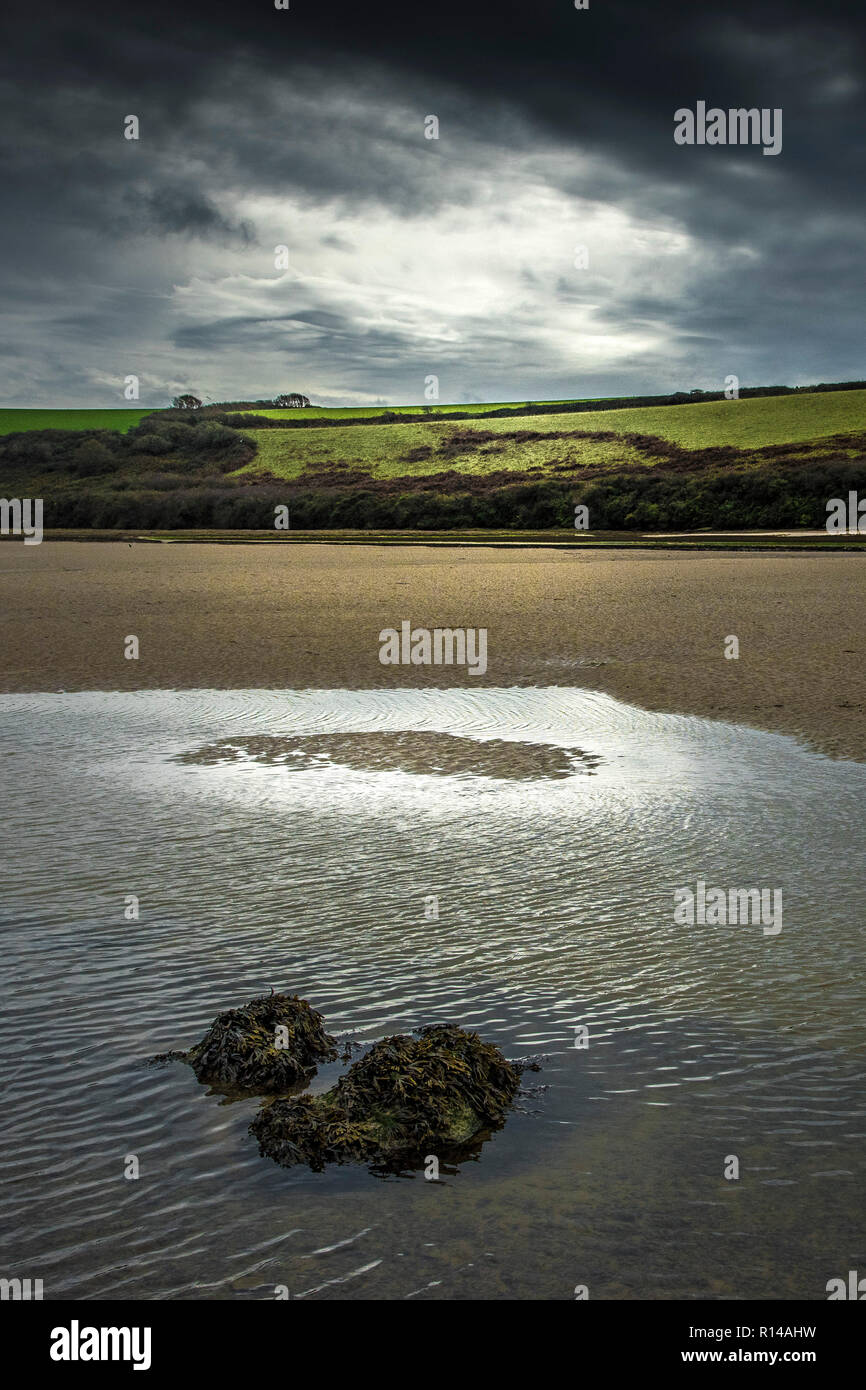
(386, 450)
(751, 423)
(12, 421)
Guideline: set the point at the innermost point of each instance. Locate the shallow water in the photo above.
(555, 901)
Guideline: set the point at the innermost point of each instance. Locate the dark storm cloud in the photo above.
(168, 211)
(248, 331)
(306, 127)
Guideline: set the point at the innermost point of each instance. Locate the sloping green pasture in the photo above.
(421, 447)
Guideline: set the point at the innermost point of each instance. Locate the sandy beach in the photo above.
(648, 627)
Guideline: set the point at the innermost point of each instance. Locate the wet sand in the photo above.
(648, 627)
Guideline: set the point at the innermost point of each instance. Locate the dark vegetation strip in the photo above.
(755, 498)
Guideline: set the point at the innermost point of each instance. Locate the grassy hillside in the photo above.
(760, 461)
(393, 451)
(552, 442)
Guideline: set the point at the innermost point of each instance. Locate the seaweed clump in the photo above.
(406, 1096)
(270, 1044)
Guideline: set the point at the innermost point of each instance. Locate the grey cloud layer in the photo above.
(409, 256)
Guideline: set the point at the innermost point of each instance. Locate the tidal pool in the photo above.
(502, 859)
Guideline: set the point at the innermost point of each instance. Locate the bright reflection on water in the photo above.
(556, 909)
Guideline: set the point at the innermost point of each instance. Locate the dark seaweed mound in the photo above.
(406, 1097)
(243, 1048)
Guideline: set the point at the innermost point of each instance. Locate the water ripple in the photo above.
(395, 892)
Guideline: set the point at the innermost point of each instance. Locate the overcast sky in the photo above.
(411, 257)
